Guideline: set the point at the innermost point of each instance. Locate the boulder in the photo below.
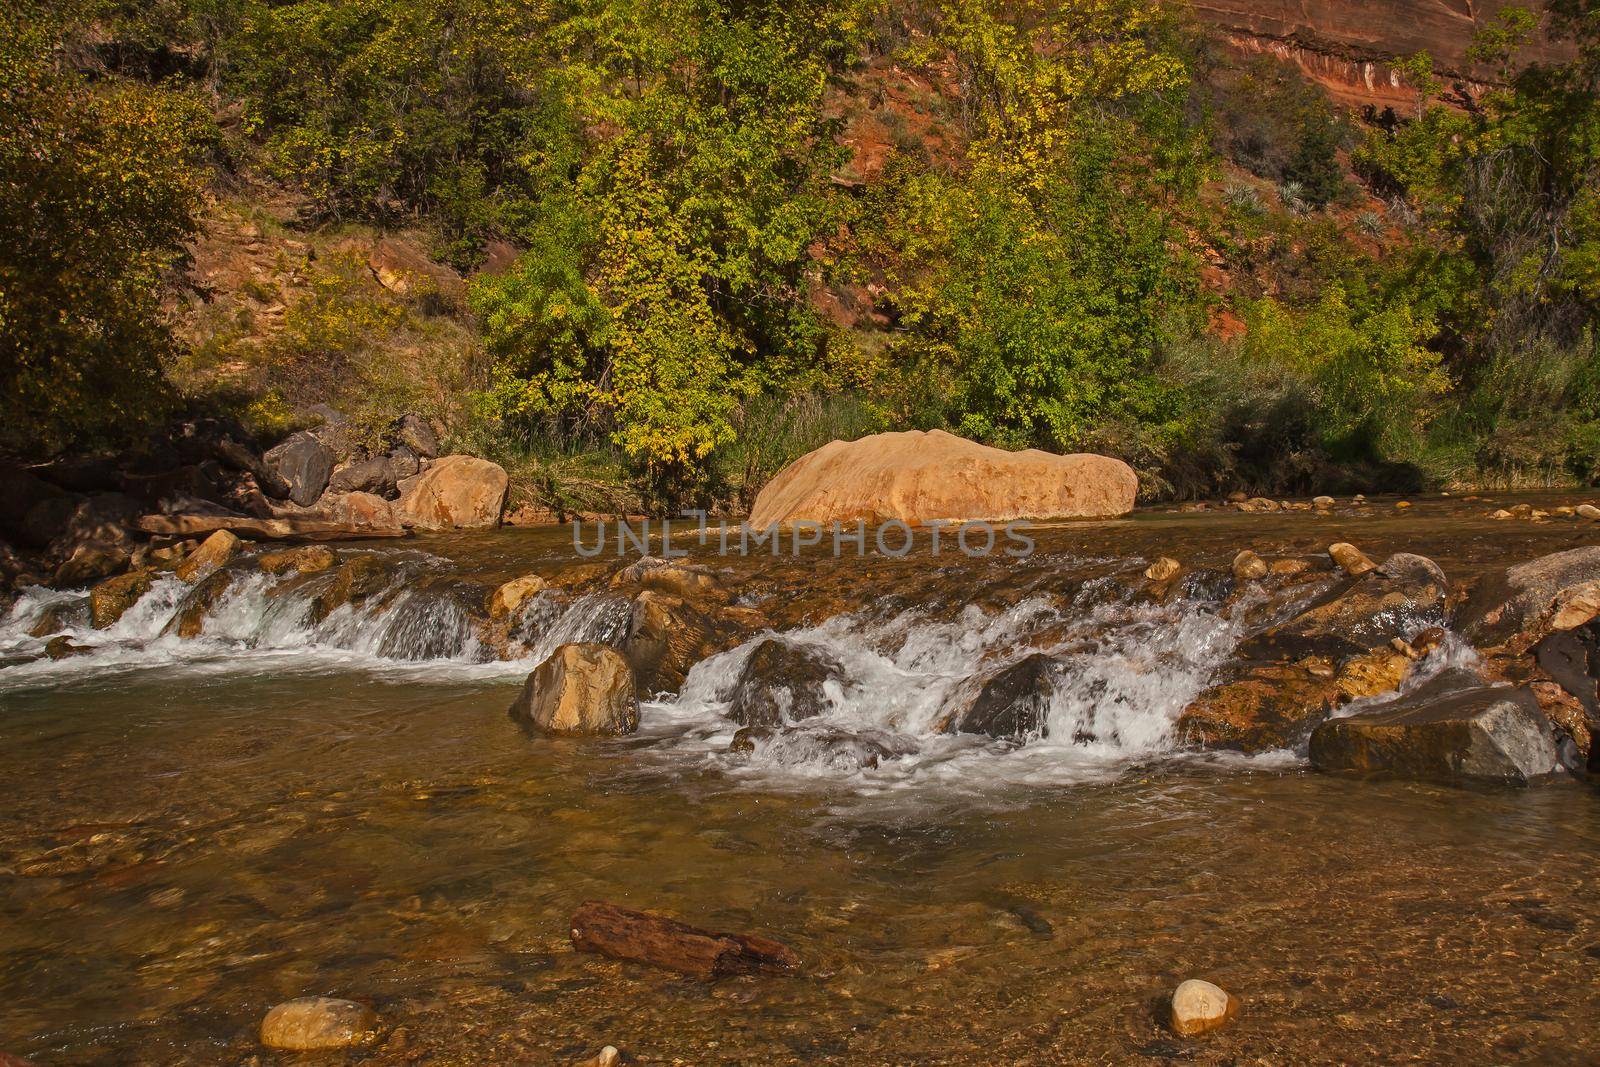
(414, 433)
(304, 464)
(358, 579)
(580, 689)
(1525, 603)
(919, 477)
(316, 1023)
(23, 492)
(190, 618)
(1260, 707)
(1199, 1006)
(784, 682)
(375, 474)
(1011, 704)
(507, 600)
(681, 580)
(457, 491)
(358, 511)
(1453, 728)
(213, 552)
(110, 599)
(102, 519)
(666, 636)
(1405, 595)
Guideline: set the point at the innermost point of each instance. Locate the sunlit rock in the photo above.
(213, 552)
(1199, 1006)
(580, 689)
(507, 600)
(111, 598)
(307, 559)
(316, 1023)
(1162, 569)
(1525, 603)
(1403, 596)
(1247, 566)
(457, 491)
(1351, 559)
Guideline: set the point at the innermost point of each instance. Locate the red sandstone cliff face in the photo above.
(1344, 44)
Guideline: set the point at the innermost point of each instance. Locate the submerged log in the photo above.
(624, 934)
(267, 529)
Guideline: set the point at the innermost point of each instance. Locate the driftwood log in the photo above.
(286, 529)
(624, 934)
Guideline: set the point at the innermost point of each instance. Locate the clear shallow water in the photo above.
(197, 834)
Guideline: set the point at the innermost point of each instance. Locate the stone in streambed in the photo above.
(1162, 569)
(213, 552)
(111, 598)
(507, 600)
(784, 682)
(1404, 595)
(1012, 704)
(62, 648)
(308, 559)
(580, 689)
(1587, 511)
(1454, 728)
(190, 620)
(606, 1057)
(1247, 566)
(1521, 605)
(1199, 1006)
(1322, 503)
(312, 1023)
(1351, 559)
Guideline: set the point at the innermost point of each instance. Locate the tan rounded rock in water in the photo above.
(1162, 569)
(316, 1023)
(1199, 1006)
(1322, 502)
(921, 477)
(1351, 559)
(1247, 566)
(308, 559)
(457, 491)
(580, 689)
(509, 598)
(112, 597)
(213, 552)
(1587, 511)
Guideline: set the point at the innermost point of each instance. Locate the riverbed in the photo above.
(197, 831)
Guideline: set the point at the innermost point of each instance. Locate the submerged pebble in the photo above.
(316, 1023)
(1199, 1006)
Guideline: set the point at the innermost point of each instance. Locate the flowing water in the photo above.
(296, 802)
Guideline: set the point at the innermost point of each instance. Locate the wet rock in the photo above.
(1523, 604)
(1453, 728)
(414, 433)
(1289, 568)
(1351, 559)
(353, 583)
(62, 648)
(457, 491)
(1403, 596)
(507, 600)
(1501, 514)
(190, 619)
(1587, 511)
(784, 682)
(375, 474)
(1162, 569)
(824, 746)
(1260, 504)
(580, 689)
(635, 571)
(606, 1057)
(317, 1023)
(1199, 1006)
(681, 580)
(89, 563)
(1261, 707)
(304, 464)
(1402, 504)
(1379, 671)
(308, 559)
(214, 552)
(1322, 503)
(1247, 566)
(111, 598)
(666, 636)
(1011, 704)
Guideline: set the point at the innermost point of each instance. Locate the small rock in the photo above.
(310, 559)
(1260, 504)
(1500, 513)
(606, 1057)
(1359, 498)
(1199, 1006)
(1587, 511)
(1289, 568)
(1247, 566)
(509, 598)
(213, 552)
(1402, 504)
(1237, 498)
(1322, 503)
(1522, 511)
(1568, 512)
(63, 648)
(316, 1023)
(1162, 569)
(1351, 559)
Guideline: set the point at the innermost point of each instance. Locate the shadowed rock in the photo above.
(783, 682)
(1011, 704)
(304, 464)
(1523, 604)
(1403, 596)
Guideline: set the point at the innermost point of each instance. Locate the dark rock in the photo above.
(1405, 595)
(1454, 728)
(22, 493)
(81, 474)
(666, 636)
(1011, 704)
(414, 432)
(102, 519)
(304, 464)
(376, 474)
(45, 519)
(404, 462)
(1523, 604)
(783, 682)
(63, 648)
(89, 563)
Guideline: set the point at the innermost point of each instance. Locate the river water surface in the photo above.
(197, 830)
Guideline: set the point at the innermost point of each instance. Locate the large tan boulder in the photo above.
(921, 477)
(457, 491)
(580, 689)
